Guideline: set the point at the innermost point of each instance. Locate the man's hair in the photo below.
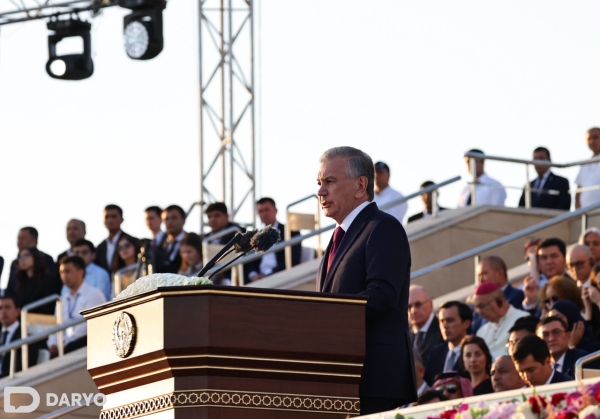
(593, 129)
(426, 184)
(359, 164)
(75, 261)
(32, 231)
(554, 319)
(80, 222)
(496, 263)
(476, 340)
(544, 149)
(155, 209)
(527, 323)
(216, 206)
(554, 241)
(84, 242)
(10, 296)
(531, 345)
(110, 207)
(464, 312)
(176, 208)
(476, 150)
(266, 200)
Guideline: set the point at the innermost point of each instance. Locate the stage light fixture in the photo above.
(71, 66)
(143, 29)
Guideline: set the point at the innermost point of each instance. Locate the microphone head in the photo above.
(265, 239)
(245, 243)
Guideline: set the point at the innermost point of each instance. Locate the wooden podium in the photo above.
(223, 352)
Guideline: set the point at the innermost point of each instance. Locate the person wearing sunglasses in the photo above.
(126, 255)
(559, 288)
(452, 385)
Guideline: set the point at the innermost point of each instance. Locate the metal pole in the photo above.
(434, 209)
(223, 122)
(252, 128)
(527, 188)
(584, 223)
(229, 63)
(477, 260)
(60, 336)
(201, 87)
(13, 363)
(474, 176)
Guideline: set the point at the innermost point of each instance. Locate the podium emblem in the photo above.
(123, 334)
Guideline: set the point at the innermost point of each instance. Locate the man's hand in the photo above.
(53, 351)
(576, 334)
(530, 289)
(256, 277)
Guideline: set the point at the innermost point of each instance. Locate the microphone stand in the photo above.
(220, 255)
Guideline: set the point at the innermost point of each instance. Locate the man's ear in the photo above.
(362, 183)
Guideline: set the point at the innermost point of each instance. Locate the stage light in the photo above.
(142, 29)
(71, 66)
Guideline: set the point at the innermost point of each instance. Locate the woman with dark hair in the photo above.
(34, 281)
(581, 333)
(559, 288)
(124, 268)
(477, 360)
(190, 250)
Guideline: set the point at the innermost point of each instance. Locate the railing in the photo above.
(237, 276)
(59, 319)
(302, 219)
(581, 212)
(298, 239)
(474, 156)
(584, 360)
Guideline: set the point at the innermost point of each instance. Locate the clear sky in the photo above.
(414, 84)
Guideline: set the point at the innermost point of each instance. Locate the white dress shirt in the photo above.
(388, 195)
(173, 246)
(558, 366)
(425, 327)
(496, 334)
(488, 191)
(350, 217)
(96, 277)
(452, 352)
(589, 175)
(268, 263)
(111, 247)
(549, 381)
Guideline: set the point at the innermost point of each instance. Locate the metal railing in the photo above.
(24, 323)
(581, 212)
(298, 239)
(584, 360)
(237, 275)
(475, 156)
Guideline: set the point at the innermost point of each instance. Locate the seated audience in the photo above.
(581, 333)
(504, 375)
(454, 321)
(589, 174)
(532, 361)
(430, 397)
(94, 274)
(559, 288)
(424, 326)
(523, 327)
(34, 281)
(75, 232)
(491, 304)
(453, 385)
(546, 180)
(81, 296)
(591, 238)
(153, 218)
(126, 256)
(477, 360)
(580, 262)
(26, 238)
(427, 199)
(272, 262)
(384, 193)
(10, 313)
(422, 386)
(488, 191)
(554, 332)
(191, 255)
(168, 258)
(105, 252)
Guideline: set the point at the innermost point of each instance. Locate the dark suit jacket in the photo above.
(162, 258)
(101, 254)
(437, 360)
(33, 355)
(418, 216)
(571, 356)
(559, 377)
(513, 295)
(432, 338)
(561, 201)
(373, 260)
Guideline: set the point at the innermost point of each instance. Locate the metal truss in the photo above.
(227, 132)
(16, 11)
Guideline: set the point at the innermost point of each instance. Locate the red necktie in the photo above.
(338, 235)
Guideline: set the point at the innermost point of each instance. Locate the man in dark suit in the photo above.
(369, 255)
(113, 218)
(455, 319)
(167, 256)
(271, 263)
(427, 199)
(75, 232)
(547, 181)
(556, 334)
(28, 237)
(532, 360)
(10, 332)
(425, 329)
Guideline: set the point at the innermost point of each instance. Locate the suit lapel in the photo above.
(323, 268)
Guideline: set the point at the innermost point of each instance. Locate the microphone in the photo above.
(219, 255)
(245, 244)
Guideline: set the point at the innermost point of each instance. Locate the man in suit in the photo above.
(113, 218)
(272, 262)
(75, 232)
(454, 318)
(218, 220)
(425, 329)
(11, 331)
(547, 181)
(28, 237)
(556, 334)
(427, 199)
(167, 256)
(369, 255)
(532, 360)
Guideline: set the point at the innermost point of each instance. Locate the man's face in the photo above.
(551, 261)
(420, 307)
(427, 201)
(338, 193)
(478, 166)
(24, 239)
(70, 275)
(556, 337)
(592, 240)
(532, 372)
(514, 337)
(153, 221)
(487, 273)
(579, 264)
(451, 325)
(84, 253)
(504, 375)
(173, 222)
(452, 390)
(9, 313)
(593, 141)
(487, 307)
(112, 220)
(382, 179)
(267, 213)
(541, 155)
(217, 220)
(75, 231)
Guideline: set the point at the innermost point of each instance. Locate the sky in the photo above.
(414, 84)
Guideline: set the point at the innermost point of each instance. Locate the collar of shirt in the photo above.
(158, 236)
(11, 329)
(585, 284)
(543, 179)
(115, 239)
(550, 378)
(425, 327)
(350, 217)
(505, 286)
(422, 388)
(560, 362)
(178, 238)
(456, 350)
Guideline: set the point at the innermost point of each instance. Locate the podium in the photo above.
(224, 352)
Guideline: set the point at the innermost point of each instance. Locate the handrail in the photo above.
(296, 240)
(584, 359)
(63, 411)
(503, 240)
(59, 319)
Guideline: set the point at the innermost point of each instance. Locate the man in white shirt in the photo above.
(555, 333)
(580, 263)
(488, 191)
(94, 274)
(81, 296)
(532, 360)
(589, 174)
(384, 193)
(490, 303)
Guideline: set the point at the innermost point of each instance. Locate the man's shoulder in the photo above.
(559, 377)
(490, 180)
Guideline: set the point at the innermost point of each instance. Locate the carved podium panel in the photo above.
(223, 352)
